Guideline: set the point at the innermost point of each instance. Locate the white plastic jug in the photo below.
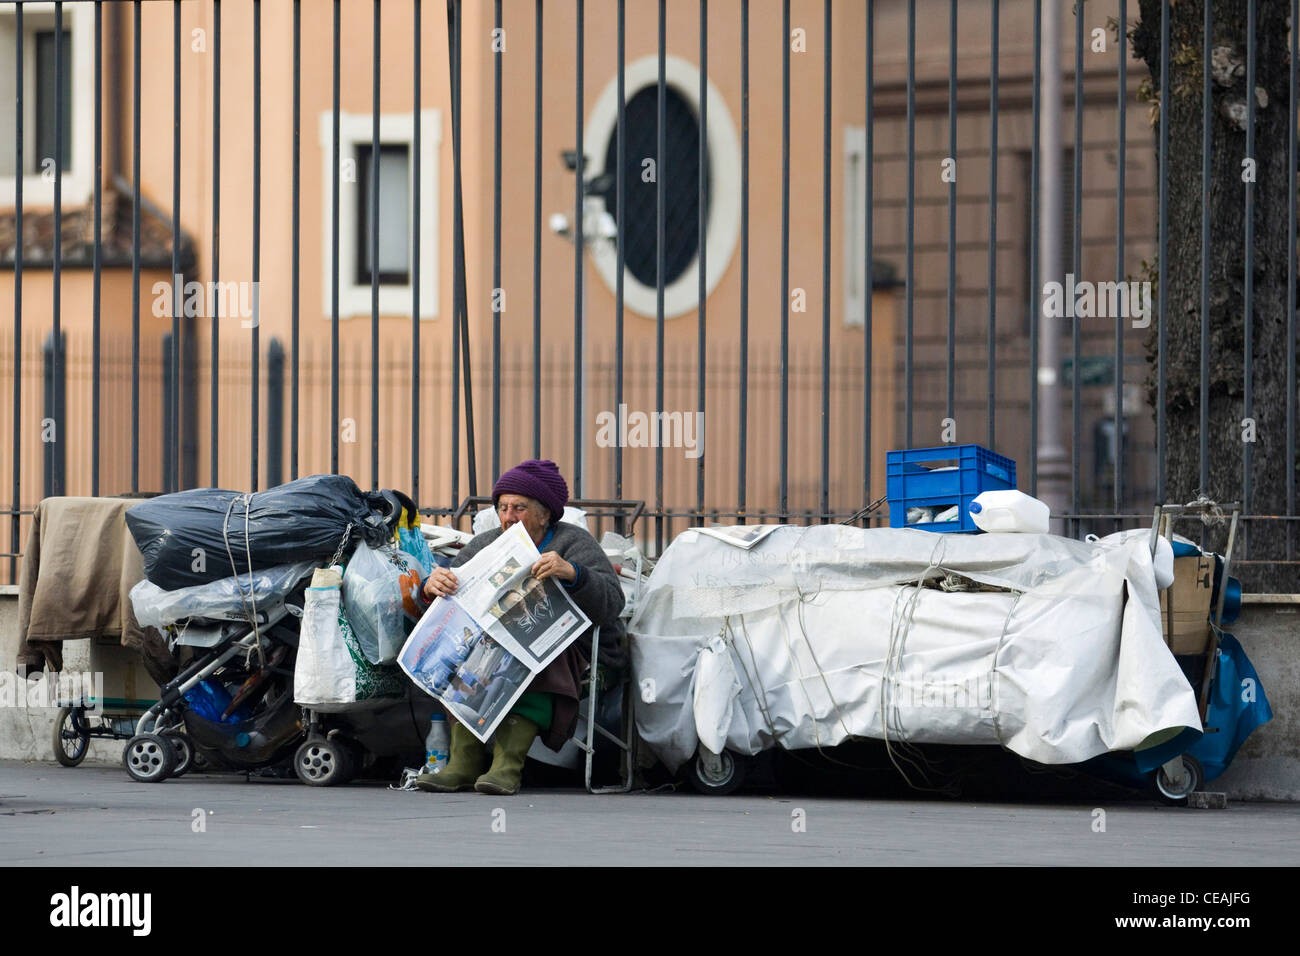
(1009, 510)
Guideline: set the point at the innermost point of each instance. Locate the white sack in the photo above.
(829, 637)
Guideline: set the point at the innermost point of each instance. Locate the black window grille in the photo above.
(681, 186)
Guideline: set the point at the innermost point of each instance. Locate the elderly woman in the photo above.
(533, 493)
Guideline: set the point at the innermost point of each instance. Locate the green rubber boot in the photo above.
(509, 747)
(464, 766)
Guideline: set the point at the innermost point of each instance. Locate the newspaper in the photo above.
(478, 650)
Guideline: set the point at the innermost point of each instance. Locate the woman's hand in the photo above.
(441, 582)
(551, 565)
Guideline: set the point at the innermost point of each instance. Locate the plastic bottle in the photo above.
(1009, 510)
(437, 746)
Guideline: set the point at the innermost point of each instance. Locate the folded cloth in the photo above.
(78, 570)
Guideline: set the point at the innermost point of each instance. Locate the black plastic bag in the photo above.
(191, 537)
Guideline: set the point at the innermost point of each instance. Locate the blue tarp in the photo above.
(1237, 706)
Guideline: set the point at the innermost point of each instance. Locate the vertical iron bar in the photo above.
(911, 210)
(214, 393)
(19, 113)
(993, 227)
(537, 231)
(334, 258)
(496, 248)
(462, 294)
(1162, 439)
(1206, 41)
(1121, 106)
(57, 247)
(98, 252)
(785, 260)
(416, 32)
(1034, 264)
(375, 33)
(294, 264)
(1075, 506)
(743, 414)
(659, 271)
(1248, 293)
(1290, 285)
(254, 444)
(703, 245)
(173, 465)
(135, 247)
(620, 188)
(826, 261)
(579, 251)
(458, 250)
(868, 287)
(952, 207)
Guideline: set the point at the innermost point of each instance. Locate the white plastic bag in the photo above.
(331, 672)
(381, 591)
(229, 599)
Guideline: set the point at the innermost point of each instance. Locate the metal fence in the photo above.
(474, 439)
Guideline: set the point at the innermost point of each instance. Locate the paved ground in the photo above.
(97, 816)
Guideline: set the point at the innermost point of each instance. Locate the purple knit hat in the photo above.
(536, 478)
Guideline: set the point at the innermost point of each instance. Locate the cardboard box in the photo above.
(1189, 596)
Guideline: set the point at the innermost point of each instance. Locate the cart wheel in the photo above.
(184, 753)
(71, 736)
(149, 758)
(1193, 780)
(324, 763)
(717, 776)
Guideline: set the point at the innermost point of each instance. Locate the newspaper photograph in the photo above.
(478, 650)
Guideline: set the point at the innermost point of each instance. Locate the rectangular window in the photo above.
(398, 174)
(394, 214)
(42, 94)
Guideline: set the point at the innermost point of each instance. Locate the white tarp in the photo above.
(818, 634)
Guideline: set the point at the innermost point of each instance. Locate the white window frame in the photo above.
(856, 285)
(357, 129)
(682, 294)
(78, 183)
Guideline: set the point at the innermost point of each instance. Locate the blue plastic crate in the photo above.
(913, 480)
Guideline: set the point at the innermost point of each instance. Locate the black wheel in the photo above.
(717, 775)
(184, 753)
(1176, 795)
(71, 736)
(324, 762)
(149, 758)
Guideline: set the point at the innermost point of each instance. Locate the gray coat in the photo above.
(600, 596)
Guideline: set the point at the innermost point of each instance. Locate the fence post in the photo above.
(51, 440)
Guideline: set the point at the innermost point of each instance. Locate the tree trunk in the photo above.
(1261, 487)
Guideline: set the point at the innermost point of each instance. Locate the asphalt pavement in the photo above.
(97, 816)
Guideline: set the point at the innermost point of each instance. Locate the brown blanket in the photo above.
(78, 570)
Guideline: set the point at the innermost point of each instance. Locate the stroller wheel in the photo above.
(184, 753)
(149, 758)
(71, 736)
(323, 763)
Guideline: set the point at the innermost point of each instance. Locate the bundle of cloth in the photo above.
(79, 566)
(1046, 646)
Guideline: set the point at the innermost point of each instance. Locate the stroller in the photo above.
(256, 726)
(231, 703)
